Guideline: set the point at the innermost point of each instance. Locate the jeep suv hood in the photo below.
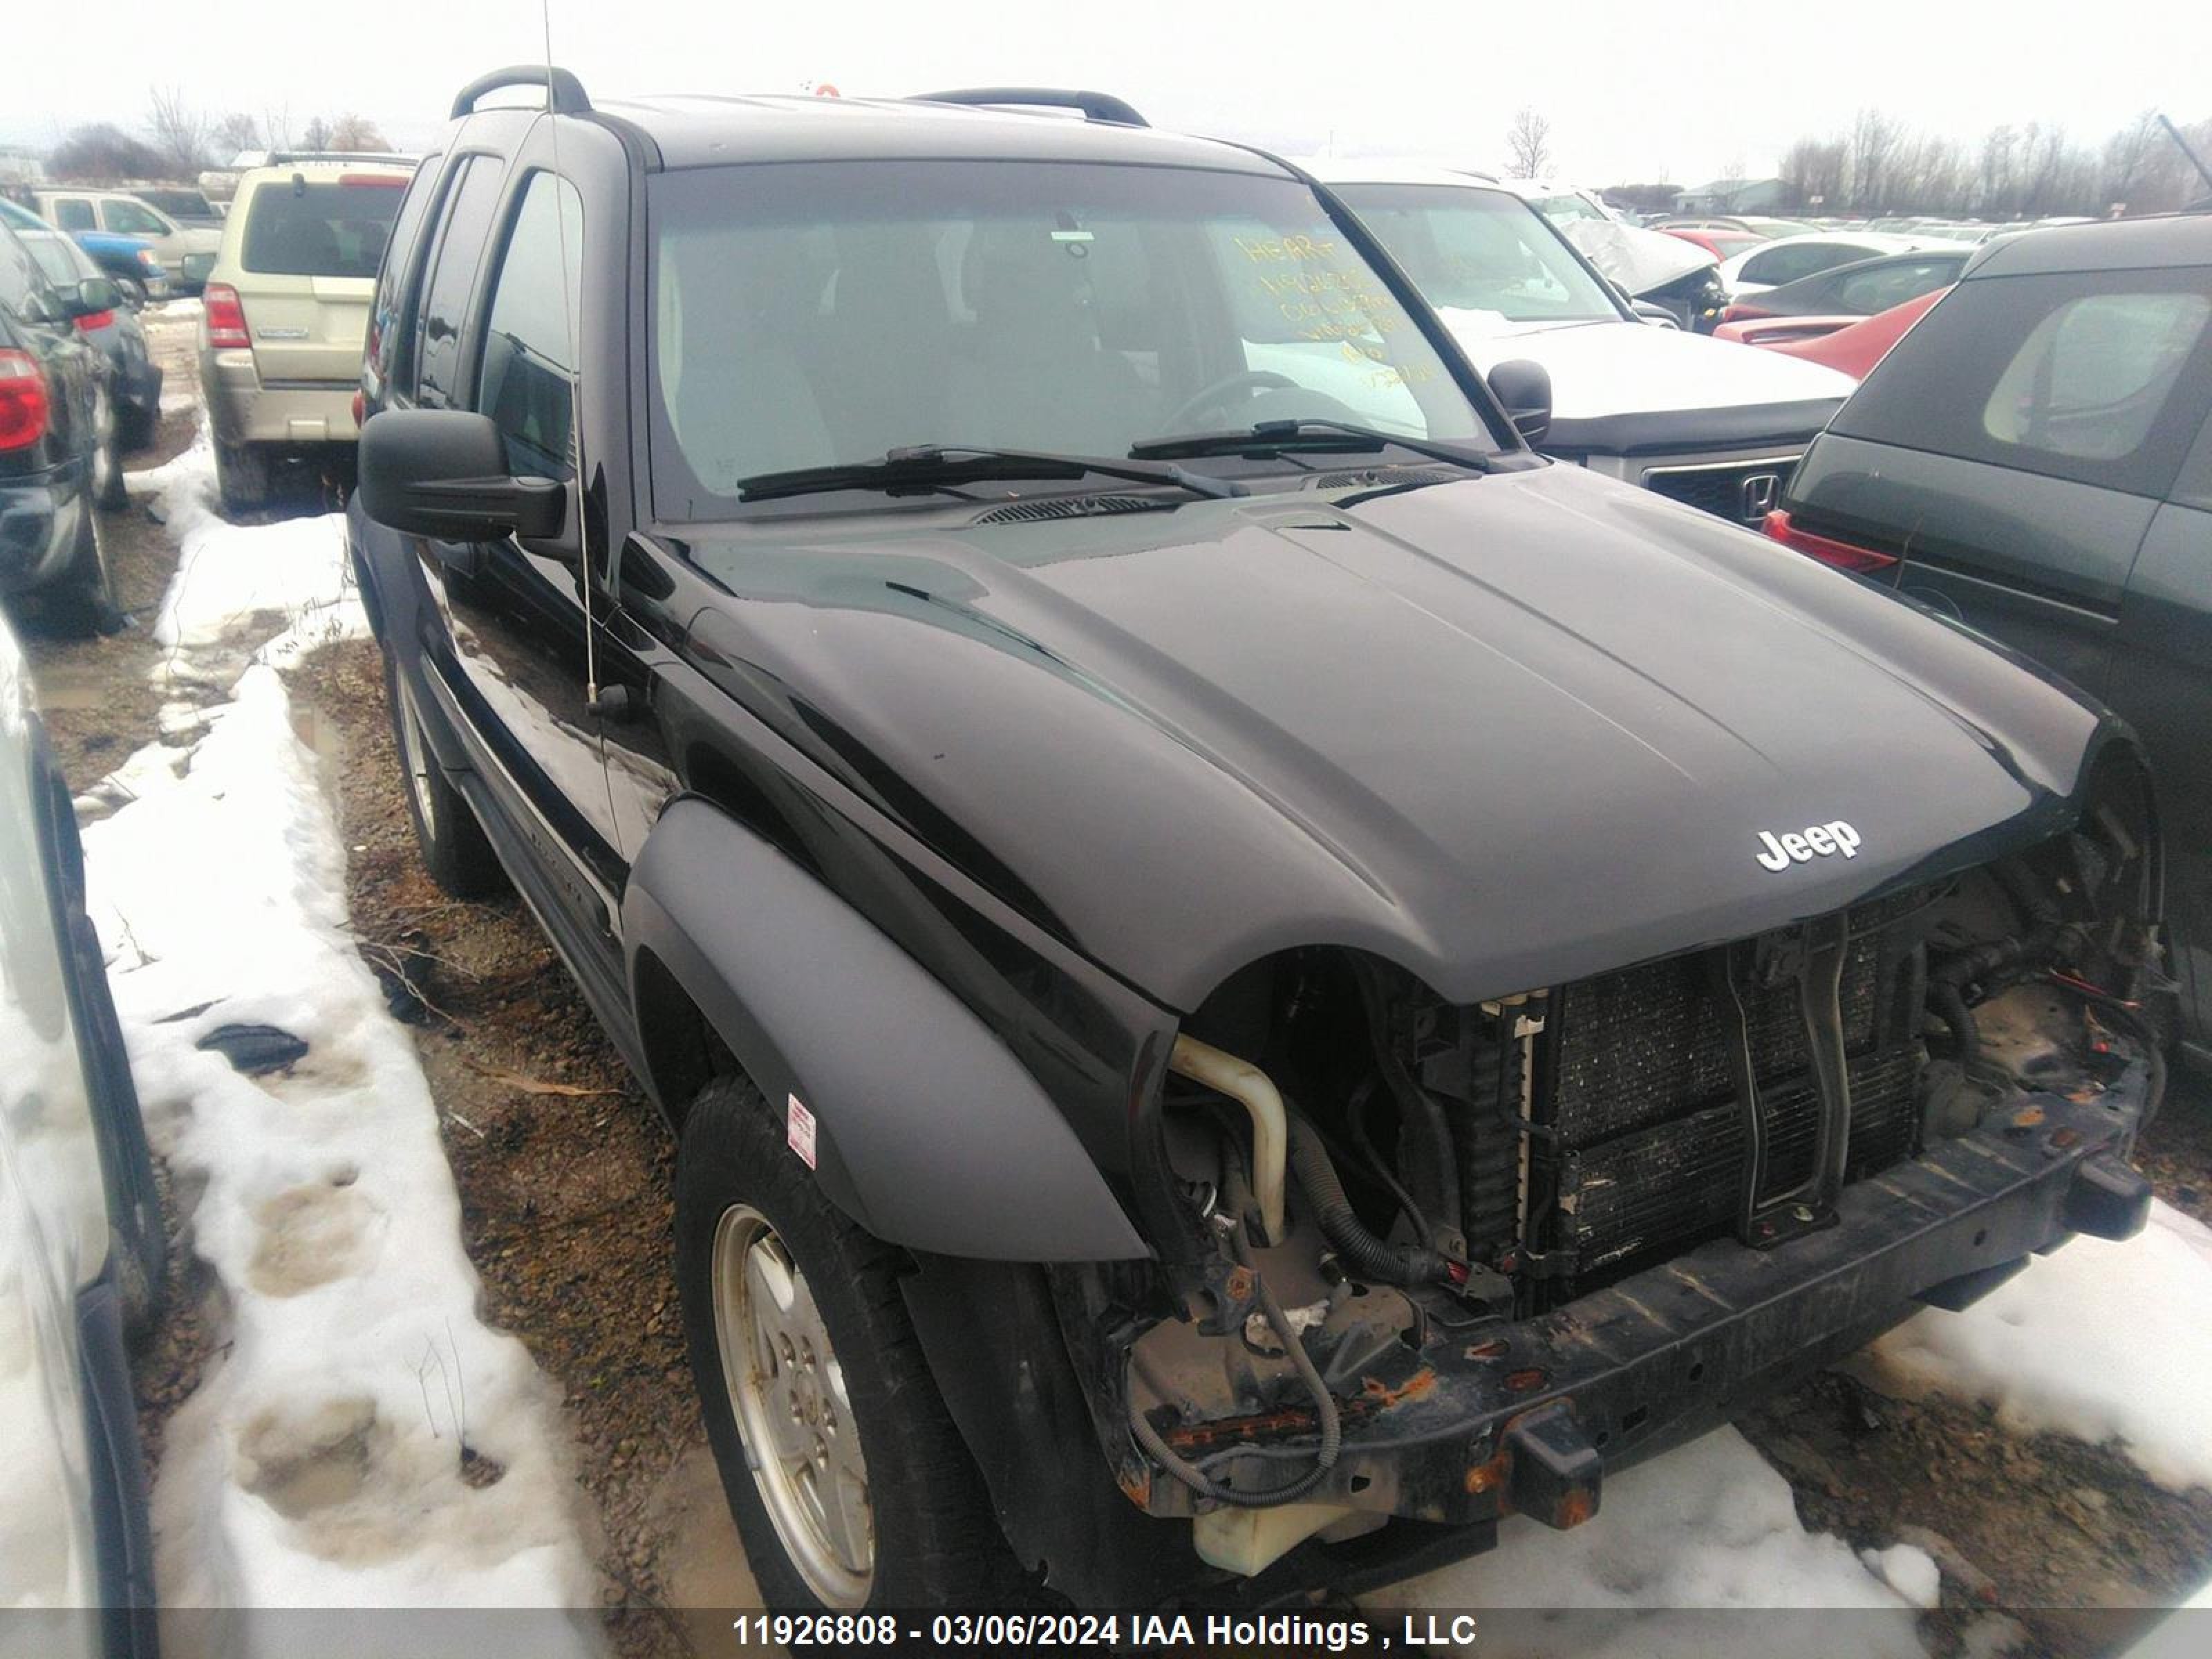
(1504, 731)
(1604, 369)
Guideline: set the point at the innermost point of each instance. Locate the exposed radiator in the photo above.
(1638, 1087)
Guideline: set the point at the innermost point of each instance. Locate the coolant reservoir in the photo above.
(1249, 1541)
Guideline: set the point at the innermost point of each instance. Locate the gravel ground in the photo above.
(563, 1169)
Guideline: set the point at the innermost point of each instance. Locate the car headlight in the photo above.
(146, 258)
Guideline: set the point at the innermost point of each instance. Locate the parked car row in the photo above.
(59, 441)
(186, 251)
(1397, 975)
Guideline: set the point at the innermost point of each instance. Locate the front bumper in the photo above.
(245, 411)
(1484, 1420)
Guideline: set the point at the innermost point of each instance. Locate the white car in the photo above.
(286, 312)
(1706, 421)
(1786, 259)
(1646, 265)
(186, 251)
(80, 1236)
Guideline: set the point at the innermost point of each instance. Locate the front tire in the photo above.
(849, 1484)
(455, 849)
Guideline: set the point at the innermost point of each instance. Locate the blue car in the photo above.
(128, 261)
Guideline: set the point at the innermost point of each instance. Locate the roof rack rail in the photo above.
(565, 93)
(1095, 106)
(284, 158)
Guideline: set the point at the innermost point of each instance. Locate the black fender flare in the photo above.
(929, 1132)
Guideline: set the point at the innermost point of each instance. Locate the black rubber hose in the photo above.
(1355, 1115)
(2039, 909)
(1950, 1005)
(1367, 1255)
(1427, 1157)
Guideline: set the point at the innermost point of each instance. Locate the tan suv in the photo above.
(286, 311)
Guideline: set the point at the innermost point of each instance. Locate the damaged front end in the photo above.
(1458, 1259)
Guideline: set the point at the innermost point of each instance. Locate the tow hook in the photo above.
(1545, 1468)
(2107, 1199)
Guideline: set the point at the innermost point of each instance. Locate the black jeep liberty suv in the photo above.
(1216, 934)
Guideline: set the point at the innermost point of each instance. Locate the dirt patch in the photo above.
(564, 1169)
(2070, 1539)
(2065, 1537)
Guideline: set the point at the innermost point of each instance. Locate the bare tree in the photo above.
(1813, 168)
(236, 131)
(317, 134)
(1529, 144)
(181, 132)
(276, 126)
(356, 133)
(103, 153)
(2129, 158)
(1872, 143)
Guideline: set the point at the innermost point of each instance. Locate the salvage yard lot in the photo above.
(1953, 1447)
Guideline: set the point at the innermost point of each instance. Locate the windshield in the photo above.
(1485, 258)
(818, 314)
(1567, 207)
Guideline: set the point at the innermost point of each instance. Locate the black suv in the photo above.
(2036, 457)
(1213, 930)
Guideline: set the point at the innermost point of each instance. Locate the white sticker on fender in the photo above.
(798, 1131)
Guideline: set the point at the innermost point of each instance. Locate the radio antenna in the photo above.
(573, 368)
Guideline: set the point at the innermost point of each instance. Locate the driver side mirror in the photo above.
(92, 296)
(443, 473)
(1525, 389)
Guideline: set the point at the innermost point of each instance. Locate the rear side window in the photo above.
(1892, 283)
(132, 219)
(74, 213)
(385, 329)
(452, 274)
(334, 229)
(2099, 376)
(2093, 375)
(1787, 264)
(529, 355)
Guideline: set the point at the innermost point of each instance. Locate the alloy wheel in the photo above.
(787, 1392)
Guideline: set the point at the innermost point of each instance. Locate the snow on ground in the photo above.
(360, 1438)
(1682, 1552)
(2184, 1633)
(2101, 1341)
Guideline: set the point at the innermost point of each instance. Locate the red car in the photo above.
(1720, 244)
(1853, 344)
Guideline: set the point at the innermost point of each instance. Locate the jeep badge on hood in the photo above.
(1819, 840)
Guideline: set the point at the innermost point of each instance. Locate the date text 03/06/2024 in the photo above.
(1241, 1632)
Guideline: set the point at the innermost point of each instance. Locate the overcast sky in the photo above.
(1632, 93)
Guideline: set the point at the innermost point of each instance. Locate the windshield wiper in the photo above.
(1274, 436)
(933, 466)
